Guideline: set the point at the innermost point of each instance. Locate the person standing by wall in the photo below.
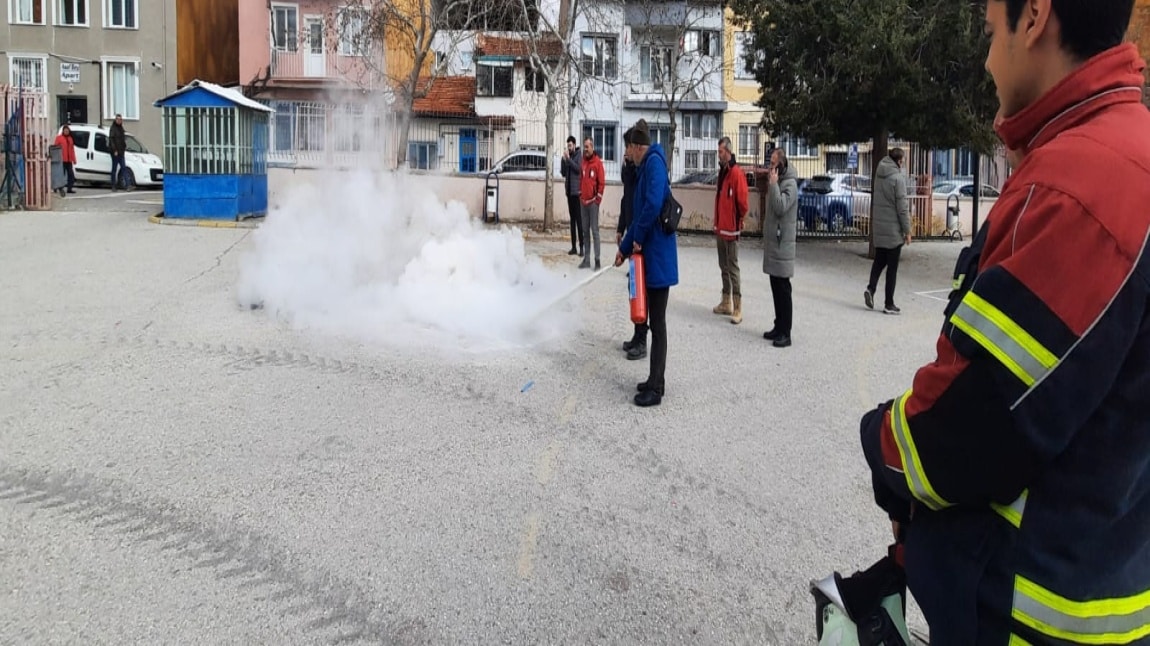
(67, 156)
(731, 203)
(636, 348)
(117, 145)
(780, 230)
(571, 178)
(593, 183)
(891, 228)
(660, 254)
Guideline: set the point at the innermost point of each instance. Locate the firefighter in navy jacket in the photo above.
(1017, 467)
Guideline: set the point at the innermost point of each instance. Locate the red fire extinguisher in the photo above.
(638, 287)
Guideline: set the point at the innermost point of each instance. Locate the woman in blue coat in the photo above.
(660, 253)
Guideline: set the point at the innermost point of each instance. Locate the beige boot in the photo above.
(737, 311)
(723, 307)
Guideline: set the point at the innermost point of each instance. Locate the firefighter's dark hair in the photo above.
(1088, 26)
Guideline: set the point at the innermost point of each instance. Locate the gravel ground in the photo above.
(174, 469)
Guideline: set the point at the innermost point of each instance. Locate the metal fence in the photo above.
(26, 178)
(834, 200)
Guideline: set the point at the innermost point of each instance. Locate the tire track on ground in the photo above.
(313, 602)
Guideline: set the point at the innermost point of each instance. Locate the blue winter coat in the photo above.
(660, 250)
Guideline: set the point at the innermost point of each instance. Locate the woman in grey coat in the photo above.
(779, 232)
(891, 227)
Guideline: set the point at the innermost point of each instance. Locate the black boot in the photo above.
(648, 398)
(637, 351)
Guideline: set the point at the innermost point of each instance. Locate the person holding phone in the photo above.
(780, 230)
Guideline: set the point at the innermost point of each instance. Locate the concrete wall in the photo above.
(521, 200)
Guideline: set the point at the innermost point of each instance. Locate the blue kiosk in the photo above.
(215, 153)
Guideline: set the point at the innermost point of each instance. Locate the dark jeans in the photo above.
(784, 308)
(117, 170)
(71, 174)
(574, 210)
(888, 259)
(657, 320)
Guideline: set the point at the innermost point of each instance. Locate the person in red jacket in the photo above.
(591, 187)
(68, 156)
(730, 208)
(1016, 469)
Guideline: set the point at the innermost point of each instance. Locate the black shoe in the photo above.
(772, 335)
(643, 387)
(71, 191)
(586, 264)
(782, 341)
(891, 309)
(573, 252)
(648, 398)
(868, 297)
(598, 265)
(637, 351)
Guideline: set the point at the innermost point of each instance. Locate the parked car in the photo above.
(710, 177)
(523, 163)
(961, 189)
(833, 201)
(94, 158)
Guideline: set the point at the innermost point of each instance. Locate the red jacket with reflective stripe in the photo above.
(730, 202)
(1021, 456)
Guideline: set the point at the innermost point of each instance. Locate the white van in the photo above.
(94, 160)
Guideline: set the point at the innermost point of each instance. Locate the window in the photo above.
(285, 28)
(493, 80)
(348, 128)
(598, 57)
(354, 36)
(534, 80)
(604, 137)
(122, 88)
(701, 125)
(655, 65)
(744, 48)
(422, 155)
(121, 14)
(749, 140)
(26, 12)
(312, 124)
(101, 144)
(72, 13)
(691, 160)
(28, 71)
(703, 42)
(661, 134)
(798, 147)
(711, 161)
(80, 138)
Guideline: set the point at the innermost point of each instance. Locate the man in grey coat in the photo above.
(780, 228)
(891, 227)
(571, 171)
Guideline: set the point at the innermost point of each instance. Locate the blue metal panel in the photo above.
(208, 197)
(197, 98)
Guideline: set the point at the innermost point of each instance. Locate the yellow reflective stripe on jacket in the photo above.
(1102, 621)
(1015, 640)
(1012, 512)
(916, 480)
(1020, 352)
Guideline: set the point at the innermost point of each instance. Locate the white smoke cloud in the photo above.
(362, 253)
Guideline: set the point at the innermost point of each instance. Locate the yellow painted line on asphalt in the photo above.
(545, 467)
(527, 547)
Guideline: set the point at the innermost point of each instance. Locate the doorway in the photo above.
(72, 109)
(315, 59)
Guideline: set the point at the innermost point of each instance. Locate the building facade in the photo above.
(94, 59)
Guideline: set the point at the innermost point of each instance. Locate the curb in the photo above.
(210, 224)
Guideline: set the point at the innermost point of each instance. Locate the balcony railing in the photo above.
(326, 67)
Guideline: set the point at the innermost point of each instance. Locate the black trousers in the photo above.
(70, 173)
(575, 210)
(885, 259)
(784, 308)
(657, 320)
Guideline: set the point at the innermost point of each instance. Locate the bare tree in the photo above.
(554, 54)
(680, 53)
(407, 44)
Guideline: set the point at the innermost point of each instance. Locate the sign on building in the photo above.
(69, 72)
